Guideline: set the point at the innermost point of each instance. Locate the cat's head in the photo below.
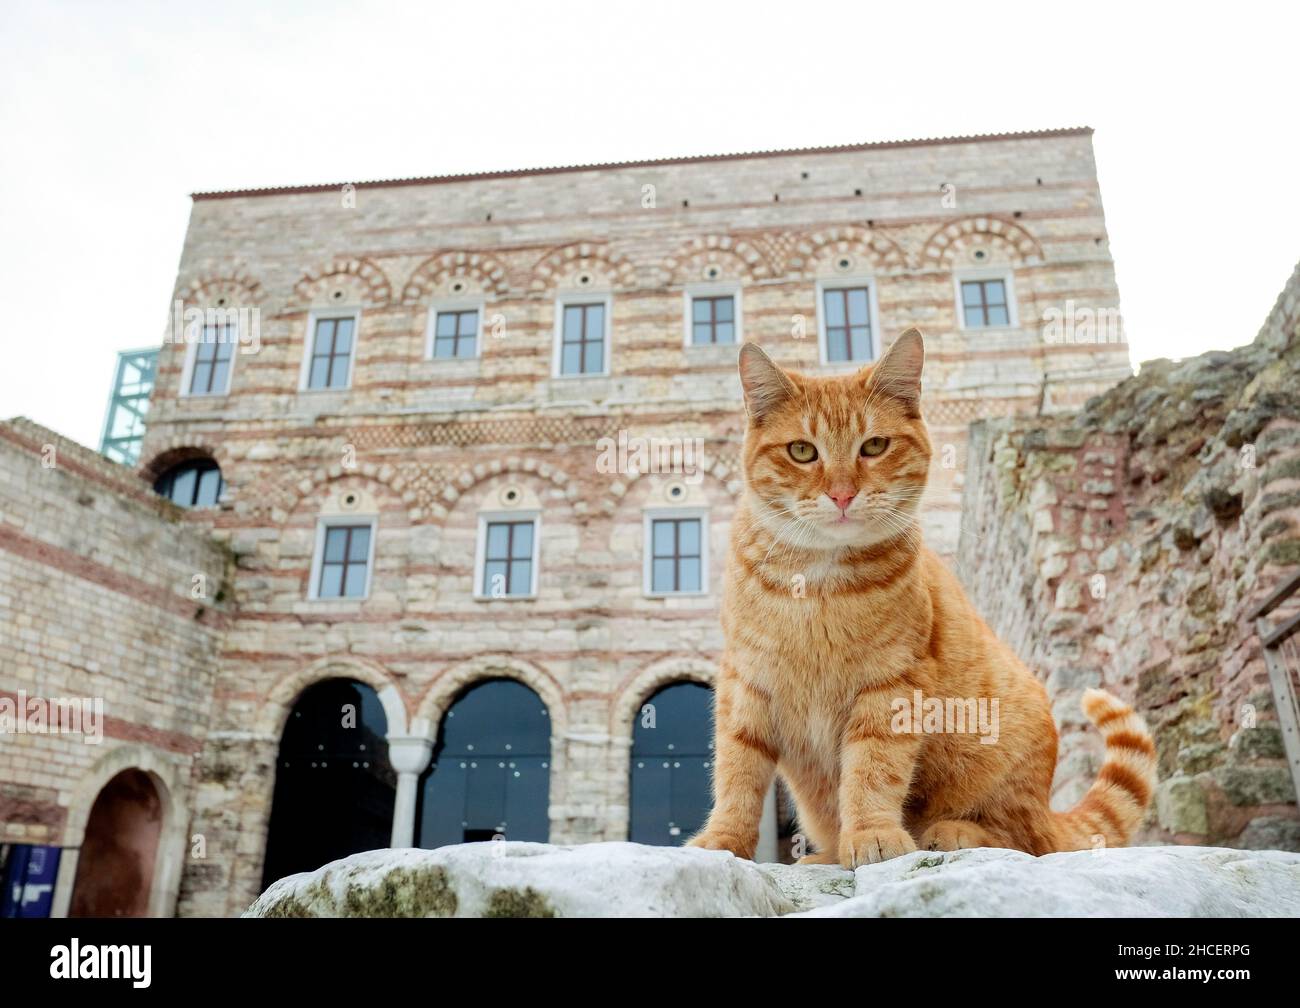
(840, 461)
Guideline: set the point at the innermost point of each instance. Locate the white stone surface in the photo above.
(630, 880)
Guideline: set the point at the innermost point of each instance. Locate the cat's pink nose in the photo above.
(842, 498)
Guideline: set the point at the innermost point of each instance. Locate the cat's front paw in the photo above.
(870, 846)
(741, 846)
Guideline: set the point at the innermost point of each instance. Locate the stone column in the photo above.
(409, 756)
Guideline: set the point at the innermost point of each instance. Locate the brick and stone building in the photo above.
(435, 429)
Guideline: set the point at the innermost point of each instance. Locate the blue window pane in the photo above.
(970, 294)
(998, 315)
(360, 546)
(468, 323)
(319, 372)
(201, 380)
(595, 358)
(701, 334)
(335, 543)
(324, 337)
(444, 346)
(689, 574)
(209, 488)
(724, 309)
(331, 581)
(572, 322)
(523, 541)
(725, 332)
(834, 308)
(662, 576)
(974, 318)
(700, 311)
(355, 587)
(995, 292)
(663, 538)
(339, 379)
(858, 313)
(183, 487)
(343, 336)
(860, 338)
(571, 359)
(688, 536)
(494, 579)
(835, 348)
(446, 324)
(498, 537)
(596, 322)
(521, 577)
(220, 376)
(223, 351)
(466, 346)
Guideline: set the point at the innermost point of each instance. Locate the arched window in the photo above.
(491, 769)
(334, 787)
(196, 483)
(672, 759)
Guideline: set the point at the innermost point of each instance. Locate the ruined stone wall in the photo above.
(1127, 545)
(99, 601)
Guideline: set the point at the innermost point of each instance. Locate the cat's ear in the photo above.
(766, 385)
(898, 373)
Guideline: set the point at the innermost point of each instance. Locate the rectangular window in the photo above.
(455, 333)
(984, 304)
(330, 365)
(847, 324)
(344, 562)
(676, 555)
(582, 339)
(508, 558)
(212, 355)
(713, 320)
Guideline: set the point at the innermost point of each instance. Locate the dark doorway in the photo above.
(491, 769)
(334, 787)
(120, 849)
(672, 756)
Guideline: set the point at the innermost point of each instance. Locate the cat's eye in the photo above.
(874, 446)
(802, 451)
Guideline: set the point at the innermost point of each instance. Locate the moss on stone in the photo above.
(526, 902)
(403, 892)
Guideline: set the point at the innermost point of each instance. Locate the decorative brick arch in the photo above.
(168, 776)
(274, 710)
(314, 287)
(552, 267)
(449, 685)
(638, 687)
(470, 478)
(485, 270)
(708, 465)
(386, 476)
(811, 249)
(737, 258)
(942, 247)
(180, 448)
(236, 285)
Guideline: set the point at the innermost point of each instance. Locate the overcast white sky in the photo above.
(112, 113)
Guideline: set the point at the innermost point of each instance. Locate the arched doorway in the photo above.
(672, 756)
(491, 768)
(119, 852)
(334, 787)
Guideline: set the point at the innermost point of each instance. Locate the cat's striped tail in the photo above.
(1114, 806)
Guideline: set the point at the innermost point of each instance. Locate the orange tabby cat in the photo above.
(837, 618)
